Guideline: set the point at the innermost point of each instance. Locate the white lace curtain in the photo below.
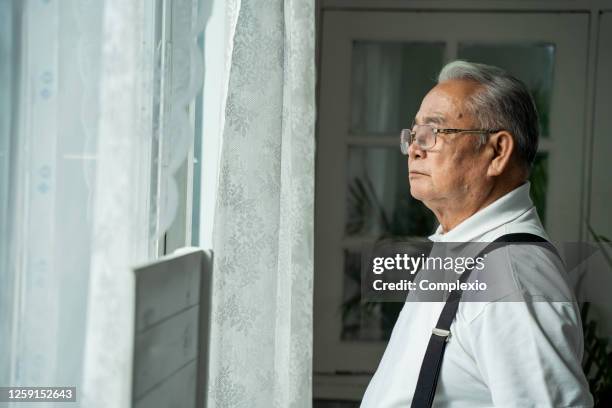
(80, 170)
(263, 233)
(90, 135)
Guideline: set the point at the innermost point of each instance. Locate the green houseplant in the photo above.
(597, 363)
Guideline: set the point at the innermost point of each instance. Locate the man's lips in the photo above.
(415, 173)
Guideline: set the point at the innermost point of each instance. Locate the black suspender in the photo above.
(432, 362)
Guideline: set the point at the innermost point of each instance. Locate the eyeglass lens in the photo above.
(423, 135)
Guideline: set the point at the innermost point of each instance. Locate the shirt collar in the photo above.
(500, 212)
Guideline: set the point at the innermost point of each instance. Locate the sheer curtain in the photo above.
(80, 134)
(143, 126)
(261, 344)
(48, 180)
(120, 222)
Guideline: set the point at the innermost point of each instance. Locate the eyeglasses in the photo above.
(425, 136)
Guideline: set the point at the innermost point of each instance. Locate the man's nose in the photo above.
(415, 152)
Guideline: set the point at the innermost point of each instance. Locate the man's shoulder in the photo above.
(533, 269)
(518, 272)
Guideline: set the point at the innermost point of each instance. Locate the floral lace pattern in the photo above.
(261, 347)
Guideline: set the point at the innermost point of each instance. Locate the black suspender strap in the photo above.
(432, 362)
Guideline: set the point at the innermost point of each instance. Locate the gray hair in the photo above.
(502, 102)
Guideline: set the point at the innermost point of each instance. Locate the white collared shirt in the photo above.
(500, 353)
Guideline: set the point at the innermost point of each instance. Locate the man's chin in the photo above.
(417, 192)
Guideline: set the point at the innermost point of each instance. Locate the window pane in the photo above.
(531, 63)
(378, 196)
(358, 320)
(364, 321)
(388, 81)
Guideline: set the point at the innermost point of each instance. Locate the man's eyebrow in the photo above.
(437, 120)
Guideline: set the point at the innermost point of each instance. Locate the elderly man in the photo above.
(470, 151)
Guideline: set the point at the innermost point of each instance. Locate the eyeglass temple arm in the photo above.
(465, 131)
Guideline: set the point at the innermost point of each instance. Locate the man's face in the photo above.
(454, 169)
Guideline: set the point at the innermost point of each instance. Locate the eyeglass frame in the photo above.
(435, 132)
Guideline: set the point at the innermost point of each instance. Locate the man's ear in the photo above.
(503, 146)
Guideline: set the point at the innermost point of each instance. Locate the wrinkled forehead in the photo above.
(445, 103)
